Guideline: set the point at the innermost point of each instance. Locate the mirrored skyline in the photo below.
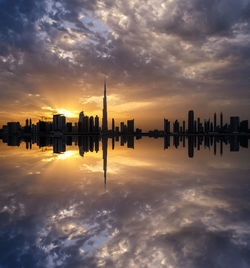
(124, 134)
(159, 208)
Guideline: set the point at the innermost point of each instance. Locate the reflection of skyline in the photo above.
(92, 144)
(155, 201)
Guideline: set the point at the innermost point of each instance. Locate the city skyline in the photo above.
(90, 125)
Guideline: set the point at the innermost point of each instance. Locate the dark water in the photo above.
(179, 207)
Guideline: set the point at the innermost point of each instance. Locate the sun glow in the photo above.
(67, 113)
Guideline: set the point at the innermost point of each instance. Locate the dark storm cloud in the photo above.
(194, 19)
(18, 20)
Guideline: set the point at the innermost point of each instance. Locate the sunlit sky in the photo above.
(160, 58)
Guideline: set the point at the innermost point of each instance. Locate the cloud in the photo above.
(158, 49)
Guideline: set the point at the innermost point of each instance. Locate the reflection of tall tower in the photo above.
(104, 111)
(105, 152)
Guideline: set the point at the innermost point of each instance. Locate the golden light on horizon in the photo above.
(67, 113)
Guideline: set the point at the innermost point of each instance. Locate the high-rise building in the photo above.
(122, 127)
(176, 126)
(69, 127)
(91, 124)
(113, 125)
(131, 126)
(13, 128)
(215, 122)
(85, 124)
(244, 126)
(221, 120)
(166, 126)
(199, 126)
(96, 123)
(59, 122)
(80, 122)
(184, 126)
(104, 111)
(191, 121)
(234, 123)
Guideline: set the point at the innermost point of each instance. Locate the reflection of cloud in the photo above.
(147, 217)
(126, 161)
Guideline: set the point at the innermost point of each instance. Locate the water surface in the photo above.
(178, 207)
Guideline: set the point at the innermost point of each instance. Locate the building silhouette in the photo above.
(215, 122)
(191, 121)
(113, 125)
(166, 126)
(221, 120)
(59, 122)
(131, 126)
(96, 124)
(234, 123)
(104, 112)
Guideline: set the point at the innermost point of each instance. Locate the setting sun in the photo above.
(67, 113)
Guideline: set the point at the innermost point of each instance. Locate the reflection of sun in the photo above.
(68, 154)
(67, 113)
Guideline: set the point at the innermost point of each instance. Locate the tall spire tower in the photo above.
(104, 111)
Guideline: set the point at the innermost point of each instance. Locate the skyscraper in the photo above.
(104, 111)
(122, 127)
(221, 120)
(80, 122)
(131, 127)
(176, 126)
(215, 122)
(234, 123)
(191, 121)
(113, 125)
(91, 124)
(166, 126)
(59, 122)
(184, 126)
(96, 123)
(85, 124)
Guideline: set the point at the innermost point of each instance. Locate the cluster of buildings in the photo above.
(85, 125)
(91, 126)
(59, 125)
(196, 126)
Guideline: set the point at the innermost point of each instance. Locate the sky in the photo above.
(161, 58)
